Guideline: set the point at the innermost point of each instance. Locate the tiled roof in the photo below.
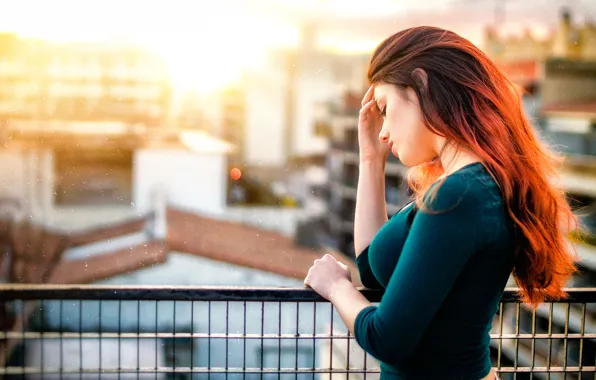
(37, 253)
(108, 265)
(38, 261)
(107, 232)
(243, 245)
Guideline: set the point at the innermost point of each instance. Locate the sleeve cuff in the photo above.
(360, 326)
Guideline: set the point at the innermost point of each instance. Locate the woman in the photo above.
(484, 208)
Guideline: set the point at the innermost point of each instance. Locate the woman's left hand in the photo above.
(325, 274)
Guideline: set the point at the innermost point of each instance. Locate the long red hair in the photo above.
(465, 98)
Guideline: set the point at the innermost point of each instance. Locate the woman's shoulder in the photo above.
(471, 187)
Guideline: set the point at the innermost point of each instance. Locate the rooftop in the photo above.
(38, 251)
(24, 133)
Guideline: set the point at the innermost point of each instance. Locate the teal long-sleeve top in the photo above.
(443, 273)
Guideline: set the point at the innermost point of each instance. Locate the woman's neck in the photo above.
(454, 159)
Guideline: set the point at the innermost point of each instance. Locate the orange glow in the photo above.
(235, 174)
(203, 55)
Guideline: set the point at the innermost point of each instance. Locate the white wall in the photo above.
(27, 178)
(322, 78)
(12, 174)
(315, 83)
(266, 96)
(192, 181)
(279, 219)
(319, 78)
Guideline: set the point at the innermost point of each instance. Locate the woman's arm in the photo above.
(437, 249)
(371, 211)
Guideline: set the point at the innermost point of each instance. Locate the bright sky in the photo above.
(205, 47)
(208, 42)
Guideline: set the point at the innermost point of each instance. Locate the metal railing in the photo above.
(104, 332)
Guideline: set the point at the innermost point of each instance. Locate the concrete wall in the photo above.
(12, 175)
(317, 77)
(266, 97)
(192, 181)
(279, 219)
(26, 181)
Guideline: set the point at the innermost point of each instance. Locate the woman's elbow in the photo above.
(385, 345)
(370, 283)
(392, 355)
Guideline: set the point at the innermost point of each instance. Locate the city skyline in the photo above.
(210, 46)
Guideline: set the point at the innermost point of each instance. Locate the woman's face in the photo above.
(408, 138)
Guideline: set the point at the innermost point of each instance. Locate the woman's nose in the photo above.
(384, 136)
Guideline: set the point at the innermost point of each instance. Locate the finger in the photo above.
(367, 107)
(368, 96)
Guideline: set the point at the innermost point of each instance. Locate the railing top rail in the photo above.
(10, 292)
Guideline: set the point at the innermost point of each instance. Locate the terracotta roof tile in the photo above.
(109, 264)
(243, 245)
(37, 257)
(107, 232)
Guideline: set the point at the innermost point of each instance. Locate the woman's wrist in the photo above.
(340, 287)
(373, 160)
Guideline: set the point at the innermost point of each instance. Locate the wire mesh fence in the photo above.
(62, 332)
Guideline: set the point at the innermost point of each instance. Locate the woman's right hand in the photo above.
(370, 124)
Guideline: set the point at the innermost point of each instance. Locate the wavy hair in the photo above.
(465, 98)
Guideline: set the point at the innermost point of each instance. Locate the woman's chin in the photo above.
(406, 161)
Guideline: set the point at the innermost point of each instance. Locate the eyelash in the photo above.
(383, 111)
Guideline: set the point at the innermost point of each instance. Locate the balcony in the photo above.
(54, 331)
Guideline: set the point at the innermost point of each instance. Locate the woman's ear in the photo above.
(421, 79)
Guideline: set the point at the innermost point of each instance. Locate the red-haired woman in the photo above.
(485, 207)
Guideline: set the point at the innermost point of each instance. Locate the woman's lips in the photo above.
(390, 144)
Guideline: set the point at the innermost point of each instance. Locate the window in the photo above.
(93, 177)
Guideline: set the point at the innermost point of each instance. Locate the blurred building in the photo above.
(40, 80)
(558, 76)
(567, 40)
(129, 206)
(269, 114)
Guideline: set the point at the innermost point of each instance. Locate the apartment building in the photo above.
(40, 80)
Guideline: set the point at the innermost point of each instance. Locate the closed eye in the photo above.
(381, 111)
